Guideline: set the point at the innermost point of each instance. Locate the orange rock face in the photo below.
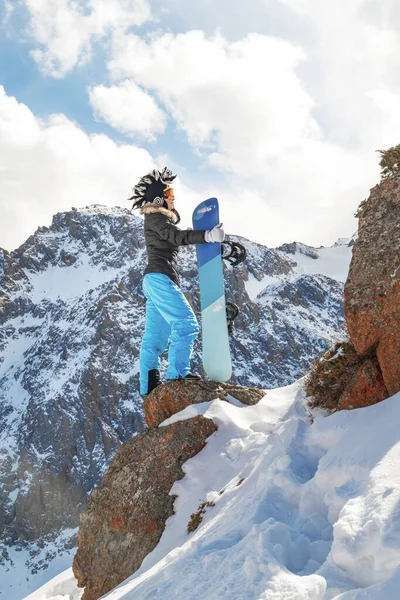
(372, 290)
(366, 387)
(126, 513)
(172, 397)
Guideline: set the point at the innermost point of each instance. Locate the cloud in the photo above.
(47, 167)
(245, 109)
(388, 102)
(66, 30)
(353, 49)
(287, 128)
(128, 108)
(241, 103)
(8, 11)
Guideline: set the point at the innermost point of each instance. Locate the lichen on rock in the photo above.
(372, 290)
(127, 512)
(174, 396)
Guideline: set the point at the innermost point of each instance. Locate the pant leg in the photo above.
(171, 303)
(154, 342)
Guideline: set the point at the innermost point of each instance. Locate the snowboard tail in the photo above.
(216, 353)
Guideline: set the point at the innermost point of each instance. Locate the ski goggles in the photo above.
(169, 193)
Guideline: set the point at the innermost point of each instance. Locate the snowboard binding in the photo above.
(232, 311)
(233, 252)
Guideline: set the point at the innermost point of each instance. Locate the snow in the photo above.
(14, 586)
(103, 209)
(74, 281)
(302, 507)
(332, 262)
(17, 342)
(255, 286)
(63, 587)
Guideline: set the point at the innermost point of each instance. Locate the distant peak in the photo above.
(341, 242)
(295, 247)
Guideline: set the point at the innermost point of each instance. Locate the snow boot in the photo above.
(154, 380)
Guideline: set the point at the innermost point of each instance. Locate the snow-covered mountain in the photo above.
(294, 512)
(71, 319)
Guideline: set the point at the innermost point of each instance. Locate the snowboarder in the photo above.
(169, 316)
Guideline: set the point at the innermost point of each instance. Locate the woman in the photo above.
(169, 317)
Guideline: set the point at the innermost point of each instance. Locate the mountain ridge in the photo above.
(71, 319)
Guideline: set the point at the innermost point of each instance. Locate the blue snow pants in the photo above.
(169, 318)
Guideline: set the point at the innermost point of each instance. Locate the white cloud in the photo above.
(291, 127)
(18, 126)
(225, 95)
(8, 11)
(388, 102)
(354, 48)
(128, 108)
(65, 29)
(245, 108)
(52, 166)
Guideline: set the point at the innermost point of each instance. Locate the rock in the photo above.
(300, 248)
(341, 379)
(172, 397)
(365, 388)
(126, 514)
(372, 290)
(67, 259)
(331, 374)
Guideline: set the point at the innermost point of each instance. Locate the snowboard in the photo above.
(216, 353)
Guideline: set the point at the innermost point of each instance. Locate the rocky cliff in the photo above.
(366, 370)
(71, 319)
(372, 290)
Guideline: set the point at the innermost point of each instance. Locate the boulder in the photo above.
(172, 397)
(127, 512)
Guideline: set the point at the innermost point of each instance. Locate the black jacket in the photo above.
(163, 239)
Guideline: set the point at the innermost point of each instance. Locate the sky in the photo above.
(276, 107)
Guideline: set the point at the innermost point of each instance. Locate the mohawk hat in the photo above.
(151, 188)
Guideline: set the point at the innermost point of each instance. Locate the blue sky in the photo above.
(275, 106)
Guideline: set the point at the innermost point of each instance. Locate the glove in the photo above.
(215, 235)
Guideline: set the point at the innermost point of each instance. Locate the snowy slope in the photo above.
(306, 508)
(35, 565)
(291, 301)
(332, 262)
